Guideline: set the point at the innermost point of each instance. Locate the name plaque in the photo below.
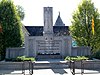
(48, 45)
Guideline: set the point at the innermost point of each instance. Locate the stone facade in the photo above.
(38, 45)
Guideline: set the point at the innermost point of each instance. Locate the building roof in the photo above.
(59, 21)
(38, 30)
(35, 30)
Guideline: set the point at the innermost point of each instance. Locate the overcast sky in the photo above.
(34, 10)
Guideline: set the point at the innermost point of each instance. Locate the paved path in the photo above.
(50, 72)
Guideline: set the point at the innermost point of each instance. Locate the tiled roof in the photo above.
(59, 21)
(35, 30)
(61, 30)
(38, 30)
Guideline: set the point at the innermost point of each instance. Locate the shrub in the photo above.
(21, 58)
(97, 55)
(77, 58)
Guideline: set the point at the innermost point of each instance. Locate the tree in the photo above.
(11, 35)
(81, 28)
(20, 11)
(1, 42)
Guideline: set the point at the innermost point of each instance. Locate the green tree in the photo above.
(1, 43)
(81, 28)
(20, 11)
(11, 26)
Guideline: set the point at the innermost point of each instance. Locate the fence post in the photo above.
(73, 62)
(82, 67)
(29, 66)
(32, 66)
(72, 67)
(23, 67)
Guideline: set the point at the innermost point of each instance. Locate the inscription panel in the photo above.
(49, 46)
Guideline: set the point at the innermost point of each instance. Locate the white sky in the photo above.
(34, 10)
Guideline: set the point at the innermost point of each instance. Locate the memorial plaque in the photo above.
(49, 46)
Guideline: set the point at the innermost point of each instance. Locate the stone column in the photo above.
(26, 45)
(69, 45)
(48, 20)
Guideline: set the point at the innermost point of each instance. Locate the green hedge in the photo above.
(77, 58)
(21, 58)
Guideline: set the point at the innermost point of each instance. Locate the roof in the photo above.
(38, 30)
(59, 21)
(35, 30)
(61, 30)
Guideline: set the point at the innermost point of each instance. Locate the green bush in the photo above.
(97, 55)
(77, 58)
(21, 58)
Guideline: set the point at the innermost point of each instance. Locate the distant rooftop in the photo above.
(38, 30)
(59, 21)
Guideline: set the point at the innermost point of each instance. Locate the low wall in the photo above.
(90, 64)
(80, 51)
(76, 51)
(10, 65)
(15, 52)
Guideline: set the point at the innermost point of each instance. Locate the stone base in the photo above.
(48, 57)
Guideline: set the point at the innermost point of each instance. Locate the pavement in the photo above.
(50, 72)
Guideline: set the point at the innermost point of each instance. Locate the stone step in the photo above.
(48, 57)
(50, 65)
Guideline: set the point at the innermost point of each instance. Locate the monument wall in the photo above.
(81, 51)
(76, 51)
(14, 52)
(38, 45)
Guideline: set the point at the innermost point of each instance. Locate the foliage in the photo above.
(20, 11)
(1, 45)
(11, 26)
(97, 54)
(21, 58)
(26, 58)
(77, 58)
(81, 28)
